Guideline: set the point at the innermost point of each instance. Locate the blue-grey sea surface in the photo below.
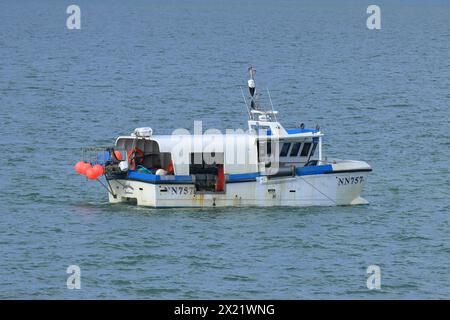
(381, 96)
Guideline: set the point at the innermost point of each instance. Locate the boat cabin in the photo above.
(211, 159)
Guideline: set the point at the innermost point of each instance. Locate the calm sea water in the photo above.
(380, 96)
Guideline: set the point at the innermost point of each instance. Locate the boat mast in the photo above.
(255, 110)
(252, 87)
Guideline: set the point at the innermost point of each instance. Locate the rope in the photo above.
(319, 191)
(110, 191)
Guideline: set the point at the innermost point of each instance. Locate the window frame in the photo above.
(314, 146)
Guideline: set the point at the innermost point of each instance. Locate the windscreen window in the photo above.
(285, 149)
(295, 149)
(305, 149)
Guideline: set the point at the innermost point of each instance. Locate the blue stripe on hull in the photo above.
(306, 171)
(239, 177)
(295, 131)
(303, 171)
(155, 178)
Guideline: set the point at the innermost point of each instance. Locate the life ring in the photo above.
(132, 157)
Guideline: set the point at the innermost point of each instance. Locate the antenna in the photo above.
(245, 102)
(271, 105)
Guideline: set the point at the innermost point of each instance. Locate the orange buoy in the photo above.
(79, 167)
(91, 174)
(118, 155)
(85, 167)
(98, 169)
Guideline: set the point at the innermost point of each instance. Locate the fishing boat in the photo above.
(264, 165)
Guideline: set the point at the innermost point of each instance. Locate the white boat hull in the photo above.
(340, 188)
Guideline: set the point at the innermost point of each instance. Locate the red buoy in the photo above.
(91, 174)
(98, 169)
(85, 167)
(79, 167)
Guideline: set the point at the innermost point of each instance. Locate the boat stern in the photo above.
(133, 192)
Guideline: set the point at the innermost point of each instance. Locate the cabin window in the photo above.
(305, 150)
(313, 149)
(285, 149)
(295, 149)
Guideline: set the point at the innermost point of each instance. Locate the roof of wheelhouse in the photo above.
(217, 141)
